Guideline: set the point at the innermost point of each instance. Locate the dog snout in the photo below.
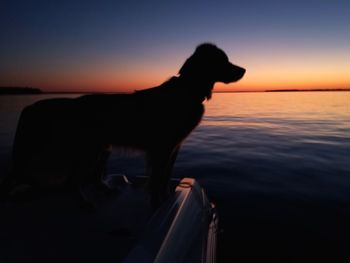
(234, 73)
(239, 71)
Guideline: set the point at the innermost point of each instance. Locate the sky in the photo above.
(121, 46)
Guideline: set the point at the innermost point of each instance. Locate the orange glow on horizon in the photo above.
(125, 82)
(264, 72)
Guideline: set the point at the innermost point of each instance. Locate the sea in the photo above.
(275, 164)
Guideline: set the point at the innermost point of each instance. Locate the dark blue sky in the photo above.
(130, 44)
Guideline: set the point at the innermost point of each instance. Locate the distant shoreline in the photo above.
(283, 90)
(36, 91)
(305, 90)
(19, 91)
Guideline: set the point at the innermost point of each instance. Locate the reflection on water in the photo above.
(292, 142)
(277, 165)
(273, 142)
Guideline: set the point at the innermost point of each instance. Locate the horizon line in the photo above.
(126, 92)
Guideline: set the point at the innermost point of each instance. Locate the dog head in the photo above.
(210, 63)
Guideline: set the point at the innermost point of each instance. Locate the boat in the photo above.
(123, 227)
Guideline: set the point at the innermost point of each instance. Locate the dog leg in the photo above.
(160, 164)
(91, 169)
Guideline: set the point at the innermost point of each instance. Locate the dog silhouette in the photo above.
(65, 141)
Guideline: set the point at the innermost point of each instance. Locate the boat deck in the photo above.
(56, 227)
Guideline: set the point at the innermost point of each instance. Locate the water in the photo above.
(277, 166)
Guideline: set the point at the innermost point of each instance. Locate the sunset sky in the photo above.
(108, 46)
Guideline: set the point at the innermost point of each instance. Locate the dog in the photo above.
(66, 141)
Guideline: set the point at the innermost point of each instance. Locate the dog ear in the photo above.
(189, 67)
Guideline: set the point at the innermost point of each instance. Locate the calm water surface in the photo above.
(276, 164)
